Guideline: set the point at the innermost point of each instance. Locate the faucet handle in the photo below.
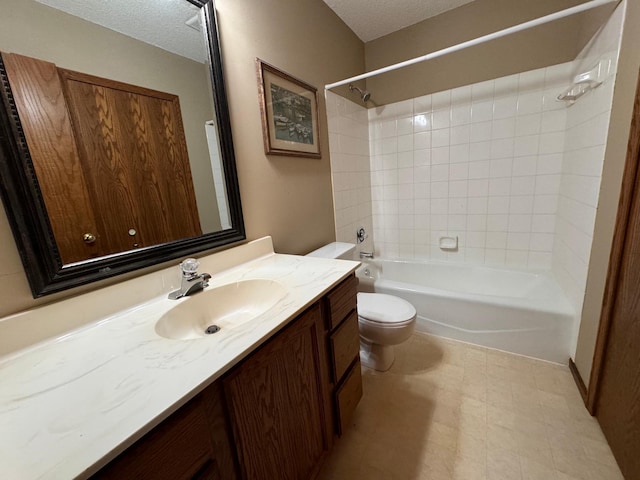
(189, 266)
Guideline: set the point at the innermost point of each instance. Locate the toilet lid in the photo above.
(379, 307)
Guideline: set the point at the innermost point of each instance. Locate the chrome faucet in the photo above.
(191, 281)
(366, 254)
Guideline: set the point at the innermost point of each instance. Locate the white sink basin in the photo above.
(226, 307)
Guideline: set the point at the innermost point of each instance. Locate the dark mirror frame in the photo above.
(27, 214)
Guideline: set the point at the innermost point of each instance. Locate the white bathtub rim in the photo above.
(441, 263)
(560, 302)
(558, 305)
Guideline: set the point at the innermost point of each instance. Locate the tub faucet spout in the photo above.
(192, 282)
(366, 255)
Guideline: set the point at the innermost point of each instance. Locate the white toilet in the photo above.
(384, 320)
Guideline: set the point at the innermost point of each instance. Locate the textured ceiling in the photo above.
(371, 19)
(158, 22)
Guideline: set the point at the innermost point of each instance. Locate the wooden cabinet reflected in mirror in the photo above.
(111, 159)
(116, 158)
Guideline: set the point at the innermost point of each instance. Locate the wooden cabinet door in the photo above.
(275, 403)
(134, 154)
(46, 123)
(110, 159)
(193, 443)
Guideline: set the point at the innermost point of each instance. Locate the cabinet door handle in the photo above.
(89, 238)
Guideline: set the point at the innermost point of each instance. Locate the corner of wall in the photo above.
(628, 66)
(350, 170)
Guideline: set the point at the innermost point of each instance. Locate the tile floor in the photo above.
(449, 410)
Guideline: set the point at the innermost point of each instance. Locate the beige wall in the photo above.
(546, 45)
(32, 29)
(288, 198)
(615, 155)
(35, 30)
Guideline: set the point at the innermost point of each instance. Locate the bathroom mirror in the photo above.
(115, 141)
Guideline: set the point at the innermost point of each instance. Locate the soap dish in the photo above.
(449, 243)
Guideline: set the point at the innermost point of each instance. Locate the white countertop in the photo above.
(70, 405)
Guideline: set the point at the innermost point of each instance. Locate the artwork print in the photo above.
(289, 109)
(291, 115)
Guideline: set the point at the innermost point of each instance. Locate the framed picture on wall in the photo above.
(289, 110)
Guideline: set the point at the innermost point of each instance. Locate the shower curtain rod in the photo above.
(476, 41)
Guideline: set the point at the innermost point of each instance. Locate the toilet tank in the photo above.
(340, 250)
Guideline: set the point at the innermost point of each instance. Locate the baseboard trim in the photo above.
(578, 379)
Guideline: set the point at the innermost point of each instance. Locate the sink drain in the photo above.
(212, 329)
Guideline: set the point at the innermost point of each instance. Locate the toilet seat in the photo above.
(385, 310)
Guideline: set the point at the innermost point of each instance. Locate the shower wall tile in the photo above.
(587, 125)
(350, 166)
(502, 165)
(483, 163)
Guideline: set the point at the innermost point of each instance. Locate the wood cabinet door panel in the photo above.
(106, 163)
(110, 158)
(223, 450)
(274, 398)
(177, 449)
(193, 443)
(39, 97)
(132, 144)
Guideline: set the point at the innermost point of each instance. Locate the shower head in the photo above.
(364, 94)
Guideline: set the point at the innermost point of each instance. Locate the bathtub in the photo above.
(516, 311)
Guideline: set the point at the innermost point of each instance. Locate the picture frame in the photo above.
(289, 109)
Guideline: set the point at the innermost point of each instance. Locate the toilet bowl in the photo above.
(383, 320)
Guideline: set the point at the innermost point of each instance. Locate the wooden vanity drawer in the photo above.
(345, 345)
(341, 300)
(348, 396)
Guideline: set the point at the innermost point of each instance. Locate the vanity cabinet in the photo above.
(273, 416)
(192, 444)
(343, 340)
(276, 407)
